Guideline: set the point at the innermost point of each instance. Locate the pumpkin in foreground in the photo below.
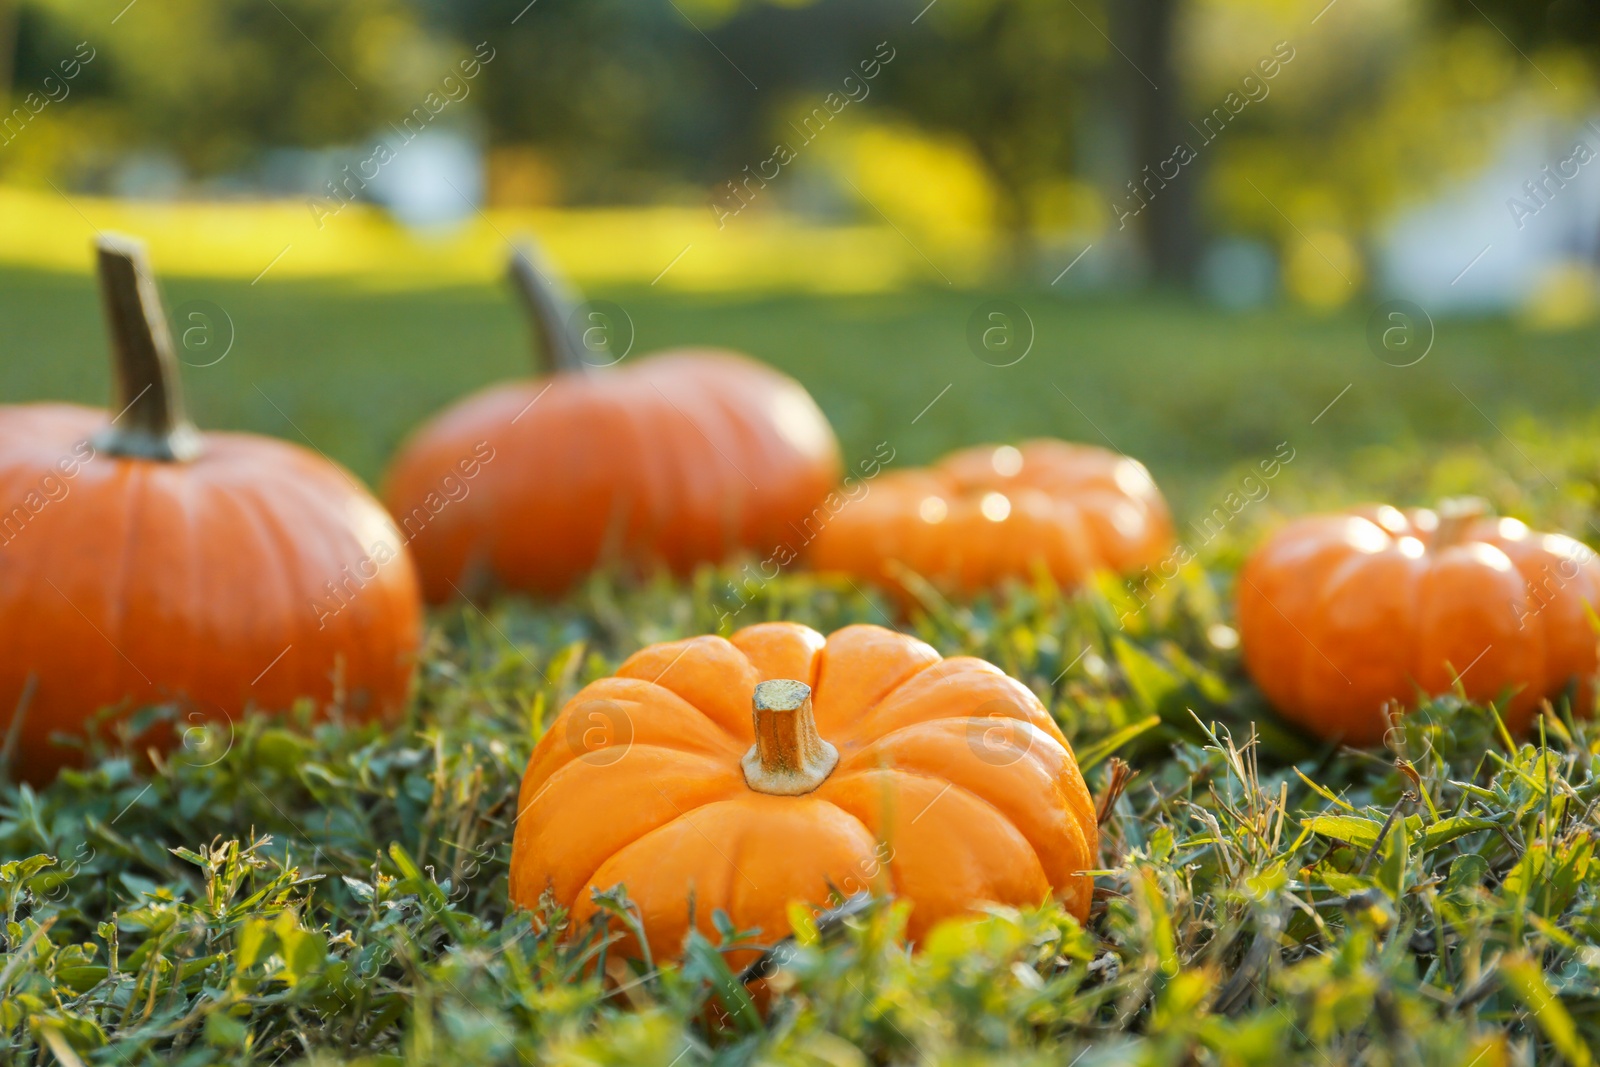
(988, 513)
(747, 773)
(143, 562)
(1344, 619)
(679, 458)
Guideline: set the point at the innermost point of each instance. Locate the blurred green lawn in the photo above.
(1189, 389)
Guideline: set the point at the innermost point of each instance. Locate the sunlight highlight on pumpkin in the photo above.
(793, 414)
(1390, 518)
(1365, 536)
(1007, 461)
(1133, 478)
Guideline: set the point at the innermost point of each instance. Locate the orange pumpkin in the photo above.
(748, 773)
(681, 458)
(985, 514)
(143, 562)
(1344, 619)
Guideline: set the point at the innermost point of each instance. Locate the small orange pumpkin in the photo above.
(143, 562)
(684, 457)
(867, 762)
(1344, 619)
(988, 513)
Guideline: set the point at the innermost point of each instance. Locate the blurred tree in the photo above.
(8, 45)
(1011, 77)
(640, 98)
(215, 80)
(604, 86)
(1147, 84)
(630, 95)
(1535, 23)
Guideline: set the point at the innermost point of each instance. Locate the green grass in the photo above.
(1190, 390)
(274, 893)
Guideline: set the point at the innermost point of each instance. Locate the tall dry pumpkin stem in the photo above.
(789, 757)
(550, 303)
(1457, 515)
(149, 422)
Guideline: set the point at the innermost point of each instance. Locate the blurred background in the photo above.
(1207, 226)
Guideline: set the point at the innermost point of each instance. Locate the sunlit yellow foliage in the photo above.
(932, 186)
(673, 247)
(1070, 205)
(1322, 269)
(1566, 297)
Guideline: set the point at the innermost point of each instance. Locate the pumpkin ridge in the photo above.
(577, 758)
(1072, 892)
(318, 489)
(179, 519)
(824, 661)
(1344, 580)
(733, 855)
(626, 508)
(1073, 792)
(871, 709)
(272, 549)
(753, 447)
(718, 430)
(655, 689)
(116, 615)
(964, 665)
(886, 869)
(691, 647)
(954, 788)
(682, 815)
(295, 562)
(291, 566)
(733, 792)
(857, 754)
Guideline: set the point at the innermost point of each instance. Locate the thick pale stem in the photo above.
(549, 302)
(789, 757)
(1457, 515)
(148, 420)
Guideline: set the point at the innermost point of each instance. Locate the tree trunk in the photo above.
(8, 48)
(1150, 93)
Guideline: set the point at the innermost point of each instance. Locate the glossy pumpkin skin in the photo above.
(953, 787)
(680, 458)
(134, 582)
(1339, 614)
(989, 513)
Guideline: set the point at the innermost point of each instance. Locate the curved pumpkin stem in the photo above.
(1457, 514)
(789, 757)
(549, 302)
(150, 423)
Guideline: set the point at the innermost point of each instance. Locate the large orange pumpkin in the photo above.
(680, 458)
(143, 562)
(748, 773)
(988, 513)
(1345, 619)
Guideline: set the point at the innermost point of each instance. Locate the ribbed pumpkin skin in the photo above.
(681, 458)
(1340, 613)
(1072, 508)
(147, 582)
(671, 817)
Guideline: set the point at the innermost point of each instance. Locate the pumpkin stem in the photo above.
(1456, 516)
(789, 757)
(549, 301)
(148, 397)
